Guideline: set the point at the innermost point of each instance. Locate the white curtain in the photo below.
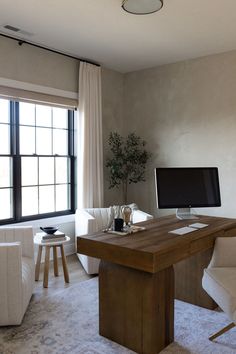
(90, 149)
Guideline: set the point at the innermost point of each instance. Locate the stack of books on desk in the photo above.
(57, 236)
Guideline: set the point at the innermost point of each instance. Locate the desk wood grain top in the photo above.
(155, 248)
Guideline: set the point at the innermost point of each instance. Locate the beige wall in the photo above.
(37, 66)
(187, 113)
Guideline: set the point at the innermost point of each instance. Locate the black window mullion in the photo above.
(16, 162)
(70, 133)
(72, 182)
(71, 186)
(12, 129)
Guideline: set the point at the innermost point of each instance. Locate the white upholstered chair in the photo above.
(16, 273)
(219, 279)
(88, 221)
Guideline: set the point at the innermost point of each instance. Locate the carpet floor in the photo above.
(67, 322)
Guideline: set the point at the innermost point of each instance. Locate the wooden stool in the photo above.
(48, 245)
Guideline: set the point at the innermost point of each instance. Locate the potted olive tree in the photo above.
(127, 161)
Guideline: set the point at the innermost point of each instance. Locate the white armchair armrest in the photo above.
(11, 283)
(139, 215)
(84, 223)
(224, 252)
(22, 234)
(16, 273)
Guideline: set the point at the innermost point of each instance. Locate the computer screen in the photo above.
(186, 187)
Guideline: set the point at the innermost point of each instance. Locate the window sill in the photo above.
(63, 219)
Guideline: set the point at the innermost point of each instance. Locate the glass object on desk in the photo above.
(127, 212)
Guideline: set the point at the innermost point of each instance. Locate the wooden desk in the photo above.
(136, 278)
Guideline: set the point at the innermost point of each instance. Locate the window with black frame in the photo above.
(36, 161)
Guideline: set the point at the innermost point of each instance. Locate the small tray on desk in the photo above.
(133, 229)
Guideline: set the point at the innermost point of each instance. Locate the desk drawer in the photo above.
(230, 233)
(205, 242)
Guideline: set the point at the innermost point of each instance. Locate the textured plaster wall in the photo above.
(37, 66)
(187, 113)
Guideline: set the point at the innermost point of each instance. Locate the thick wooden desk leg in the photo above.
(37, 268)
(55, 261)
(46, 267)
(136, 309)
(188, 280)
(64, 264)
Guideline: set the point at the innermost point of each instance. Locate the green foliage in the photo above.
(128, 159)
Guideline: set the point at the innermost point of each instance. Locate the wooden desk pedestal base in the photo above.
(188, 280)
(136, 308)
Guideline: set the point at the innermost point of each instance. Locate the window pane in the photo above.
(27, 113)
(46, 170)
(4, 111)
(5, 172)
(60, 118)
(62, 197)
(46, 199)
(43, 116)
(60, 142)
(27, 140)
(5, 203)
(29, 171)
(62, 170)
(29, 201)
(4, 139)
(43, 141)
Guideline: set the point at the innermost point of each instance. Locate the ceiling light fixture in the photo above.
(142, 7)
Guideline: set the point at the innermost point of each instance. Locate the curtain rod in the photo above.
(22, 41)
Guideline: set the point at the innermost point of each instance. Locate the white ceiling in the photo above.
(101, 31)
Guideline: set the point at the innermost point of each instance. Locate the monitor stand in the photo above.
(184, 214)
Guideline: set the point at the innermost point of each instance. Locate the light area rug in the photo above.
(67, 322)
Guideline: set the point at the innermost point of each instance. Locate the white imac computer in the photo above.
(182, 188)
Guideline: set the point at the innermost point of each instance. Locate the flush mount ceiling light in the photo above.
(142, 7)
